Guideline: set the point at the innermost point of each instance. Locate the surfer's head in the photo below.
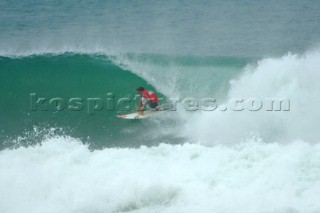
(140, 90)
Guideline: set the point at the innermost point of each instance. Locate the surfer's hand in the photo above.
(140, 108)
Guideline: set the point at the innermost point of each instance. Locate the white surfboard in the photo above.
(146, 114)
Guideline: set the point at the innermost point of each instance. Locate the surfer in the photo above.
(147, 98)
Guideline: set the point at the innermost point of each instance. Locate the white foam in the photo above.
(292, 77)
(62, 175)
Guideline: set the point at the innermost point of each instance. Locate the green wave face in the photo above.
(65, 77)
(80, 95)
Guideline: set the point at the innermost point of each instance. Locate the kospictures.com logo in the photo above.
(92, 105)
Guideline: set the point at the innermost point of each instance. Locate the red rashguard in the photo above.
(149, 95)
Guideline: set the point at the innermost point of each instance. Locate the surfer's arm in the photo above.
(143, 103)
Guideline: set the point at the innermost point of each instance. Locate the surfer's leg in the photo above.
(140, 112)
(154, 106)
(157, 107)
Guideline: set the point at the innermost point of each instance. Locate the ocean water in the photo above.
(60, 160)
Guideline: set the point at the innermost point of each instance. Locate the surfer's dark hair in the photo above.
(140, 89)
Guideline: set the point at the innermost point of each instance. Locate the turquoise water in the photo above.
(53, 159)
(25, 80)
(65, 76)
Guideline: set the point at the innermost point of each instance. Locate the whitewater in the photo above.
(63, 175)
(221, 161)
